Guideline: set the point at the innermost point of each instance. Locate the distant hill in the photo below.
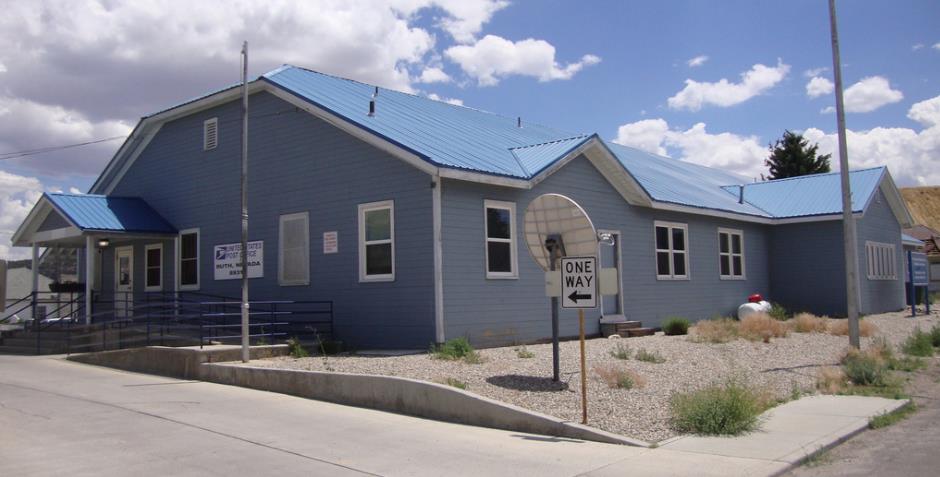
(924, 204)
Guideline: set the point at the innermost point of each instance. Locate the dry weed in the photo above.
(760, 326)
(717, 330)
(831, 380)
(841, 328)
(617, 377)
(809, 323)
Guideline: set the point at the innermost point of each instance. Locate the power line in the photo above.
(32, 152)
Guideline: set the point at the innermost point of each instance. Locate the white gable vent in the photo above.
(210, 134)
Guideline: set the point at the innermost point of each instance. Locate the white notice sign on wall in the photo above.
(330, 242)
(228, 260)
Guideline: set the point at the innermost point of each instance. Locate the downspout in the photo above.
(436, 186)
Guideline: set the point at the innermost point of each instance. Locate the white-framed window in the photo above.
(210, 134)
(672, 250)
(294, 249)
(189, 259)
(731, 254)
(377, 241)
(500, 236)
(882, 261)
(153, 267)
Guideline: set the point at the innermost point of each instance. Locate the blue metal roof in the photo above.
(534, 159)
(443, 134)
(907, 239)
(115, 214)
(817, 194)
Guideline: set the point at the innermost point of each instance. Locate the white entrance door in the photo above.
(123, 281)
(612, 305)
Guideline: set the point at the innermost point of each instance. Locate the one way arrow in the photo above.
(574, 296)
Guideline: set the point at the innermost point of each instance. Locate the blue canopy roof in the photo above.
(112, 214)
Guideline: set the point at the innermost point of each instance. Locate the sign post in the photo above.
(918, 269)
(579, 290)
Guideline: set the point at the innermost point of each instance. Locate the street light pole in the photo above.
(244, 190)
(848, 220)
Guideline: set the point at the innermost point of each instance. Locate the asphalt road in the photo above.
(63, 418)
(908, 448)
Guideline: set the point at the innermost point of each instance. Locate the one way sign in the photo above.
(579, 282)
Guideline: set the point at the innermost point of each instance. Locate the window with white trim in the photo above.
(294, 249)
(189, 259)
(377, 241)
(500, 234)
(672, 251)
(153, 267)
(210, 134)
(882, 261)
(730, 254)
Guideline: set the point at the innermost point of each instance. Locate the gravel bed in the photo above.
(779, 367)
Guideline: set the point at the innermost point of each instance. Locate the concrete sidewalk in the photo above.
(789, 434)
(99, 421)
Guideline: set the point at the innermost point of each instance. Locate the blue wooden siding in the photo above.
(807, 267)
(494, 312)
(297, 163)
(880, 225)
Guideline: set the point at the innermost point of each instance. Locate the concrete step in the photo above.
(628, 325)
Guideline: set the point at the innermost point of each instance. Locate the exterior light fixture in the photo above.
(103, 243)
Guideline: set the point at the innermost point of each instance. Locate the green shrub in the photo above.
(649, 356)
(676, 326)
(296, 349)
(729, 408)
(920, 343)
(456, 349)
(524, 353)
(778, 312)
(621, 351)
(456, 383)
(935, 336)
(865, 369)
(888, 418)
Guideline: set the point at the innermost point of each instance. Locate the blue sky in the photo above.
(704, 81)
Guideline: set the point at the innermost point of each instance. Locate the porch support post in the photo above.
(35, 282)
(89, 275)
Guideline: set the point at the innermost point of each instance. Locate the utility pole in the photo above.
(850, 243)
(244, 307)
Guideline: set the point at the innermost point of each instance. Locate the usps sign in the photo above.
(579, 282)
(228, 260)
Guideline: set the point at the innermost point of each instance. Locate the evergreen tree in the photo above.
(792, 156)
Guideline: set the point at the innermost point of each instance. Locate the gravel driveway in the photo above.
(779, 367)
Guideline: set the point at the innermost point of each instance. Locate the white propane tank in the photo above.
(749, 309)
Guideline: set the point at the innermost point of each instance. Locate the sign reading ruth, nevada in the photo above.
(579, 282)
(228, 260)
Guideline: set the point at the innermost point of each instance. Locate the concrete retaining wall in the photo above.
(405, 396)
(183, 363)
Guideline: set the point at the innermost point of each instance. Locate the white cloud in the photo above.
(29, 125)
(815, 71)
(910, 155)
(466, 18)
(743, 155)
(870, 94)
(75, 190)
(18, 194)
(818, 86)
(926, 112)
(724, 93)
(936, 46)
(697, 61)
(436, 97)
(917, 46)
(433, 75)
(3, 67)
(493, 58)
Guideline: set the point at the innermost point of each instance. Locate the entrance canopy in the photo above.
(67, 220)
